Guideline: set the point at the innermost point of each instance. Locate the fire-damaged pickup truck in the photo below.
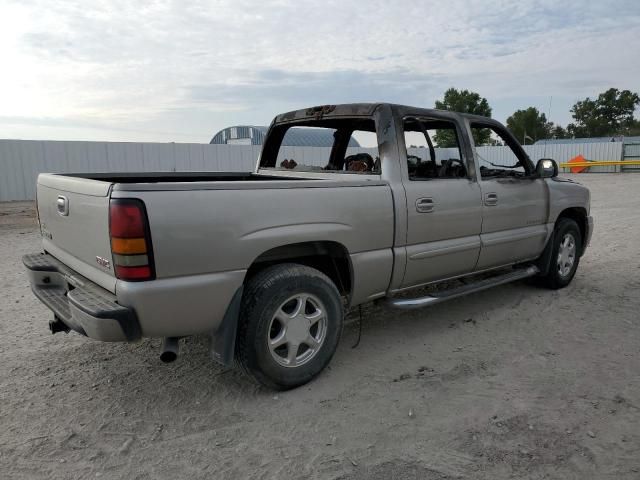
(266, 262)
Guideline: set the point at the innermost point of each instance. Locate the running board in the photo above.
(437, 297)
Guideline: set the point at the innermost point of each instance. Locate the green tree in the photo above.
(634, 129)
(463, 101)
(529, 124)
(557, 131)
(609, 114)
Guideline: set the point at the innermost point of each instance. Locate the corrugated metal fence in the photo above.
(631, 152)
(22, 160)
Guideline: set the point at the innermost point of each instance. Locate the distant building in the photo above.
(295, 137)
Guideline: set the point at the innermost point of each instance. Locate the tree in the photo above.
(529, 124)
(634, 129)
(557, 131)
(608, 115)
(466, 102)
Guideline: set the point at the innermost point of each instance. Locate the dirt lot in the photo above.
(516, 382)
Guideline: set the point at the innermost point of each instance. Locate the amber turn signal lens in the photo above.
(128, 246)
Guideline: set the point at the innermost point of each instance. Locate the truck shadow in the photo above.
(133, 373)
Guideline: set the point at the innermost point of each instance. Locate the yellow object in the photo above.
(599, 163)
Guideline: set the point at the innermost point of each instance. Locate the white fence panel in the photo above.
(96, 156)
(29, 168)
(78, 156)
(181, 156)
(55, 157)
(158, 157)
(12, 177)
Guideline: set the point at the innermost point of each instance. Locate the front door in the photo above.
(444, 215)
(514, 202)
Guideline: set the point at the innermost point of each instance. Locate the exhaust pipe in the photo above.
(56, 325)
(170, 348)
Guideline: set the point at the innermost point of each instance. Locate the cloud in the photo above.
(168, 66)
(316, 88)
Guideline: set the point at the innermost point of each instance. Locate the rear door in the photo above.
(444, 216)
(514, 202)
(74, 222)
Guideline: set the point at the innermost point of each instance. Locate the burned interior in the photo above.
(342, 157)
(433, 149)
(514, 163)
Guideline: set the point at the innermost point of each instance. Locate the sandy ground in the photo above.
(516, 382)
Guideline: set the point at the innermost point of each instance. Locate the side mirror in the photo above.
(547, 168)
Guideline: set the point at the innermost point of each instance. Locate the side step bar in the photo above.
(437, 297)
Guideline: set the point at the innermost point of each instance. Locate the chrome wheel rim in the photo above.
(566, 254)
(297, 330)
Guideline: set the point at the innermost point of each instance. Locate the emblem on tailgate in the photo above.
(103, 262)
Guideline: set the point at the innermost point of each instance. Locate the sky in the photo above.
(179, 71)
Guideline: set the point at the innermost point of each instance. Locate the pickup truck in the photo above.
(267, 262)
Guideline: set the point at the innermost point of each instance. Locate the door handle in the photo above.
(490, 199)
(424, 205)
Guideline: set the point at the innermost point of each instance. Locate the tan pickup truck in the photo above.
(266, 262)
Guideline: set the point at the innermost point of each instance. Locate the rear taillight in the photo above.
(130, 240)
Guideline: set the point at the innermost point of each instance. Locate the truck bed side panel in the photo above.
(205, 231)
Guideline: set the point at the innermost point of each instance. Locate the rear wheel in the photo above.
(565, 254)
(290, 323)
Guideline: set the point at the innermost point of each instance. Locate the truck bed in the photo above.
(193, 224)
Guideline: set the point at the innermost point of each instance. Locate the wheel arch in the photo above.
(578, 215)
(330, 257)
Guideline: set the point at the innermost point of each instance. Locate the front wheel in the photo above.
(565, 254)
(290, 323)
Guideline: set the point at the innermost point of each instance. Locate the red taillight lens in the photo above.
(133, 273)
(130, 240)
(127, 220)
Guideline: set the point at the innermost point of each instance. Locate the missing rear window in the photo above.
(336, 146)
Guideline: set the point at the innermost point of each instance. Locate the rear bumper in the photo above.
(79, 303)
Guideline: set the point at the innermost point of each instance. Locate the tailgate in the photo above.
(74, 222)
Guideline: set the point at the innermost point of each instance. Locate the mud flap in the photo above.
(544, 261)
(223, 340)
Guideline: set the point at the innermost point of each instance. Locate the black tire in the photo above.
(267, 293)
(555, 277)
